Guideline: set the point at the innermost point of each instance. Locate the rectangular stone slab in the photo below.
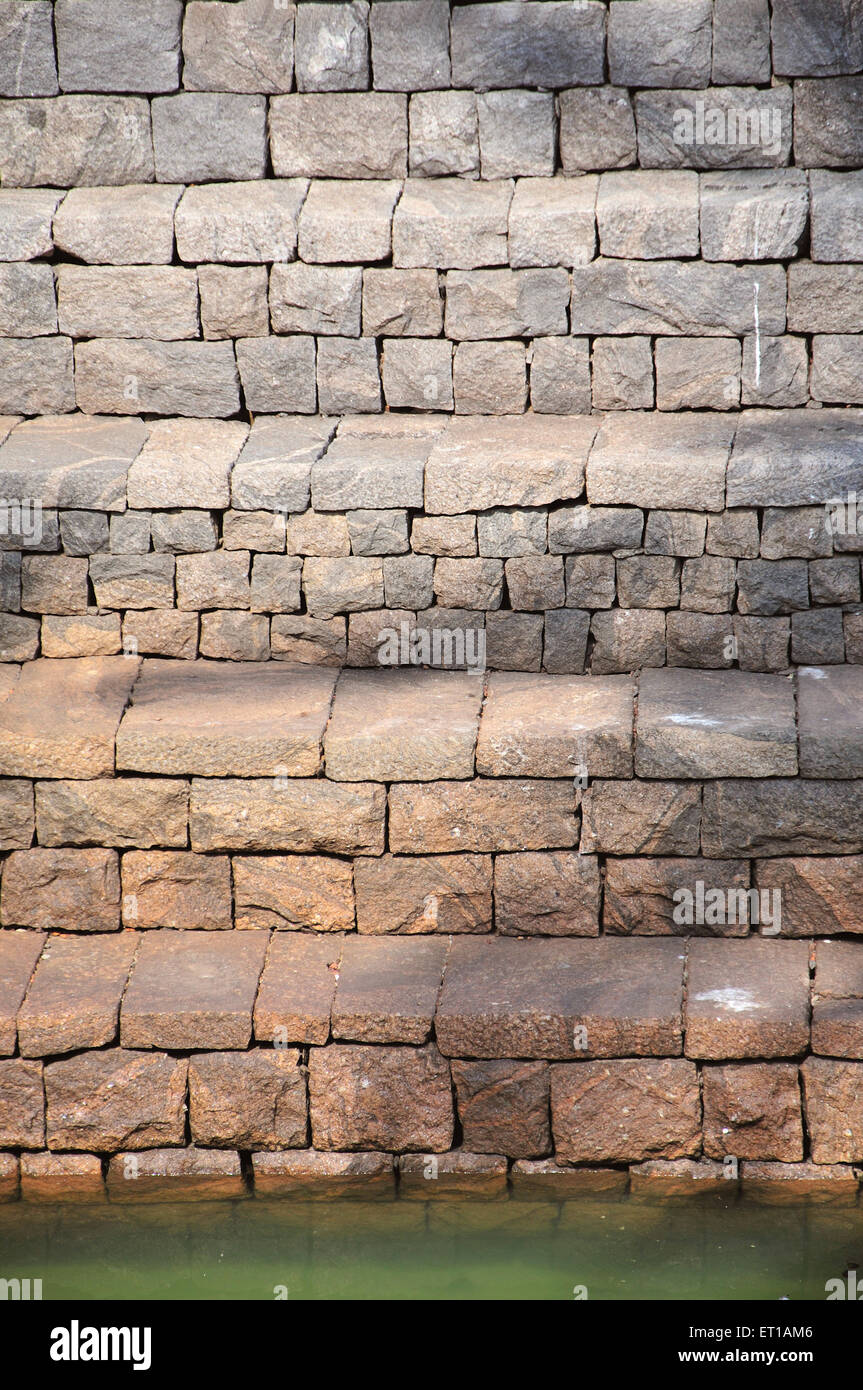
(388, 989)
(783, 816)
(625, 1111)
(274, 468)
(193, 989)
(113, 1099)
(390, 1098)
(506, 997)
(715, 724)
(403, 726)
(219, 719)
(747, 998)
(647, 460)
(546, 726)
(71, 460)
(295, 999)
(501, 461)
(74, 997)
(435, 893)
(820, 893)
(302, 814)
(121, 811)
(62, 717)
(378, 470)
(641, 818)
(164, 1175)
(19, 952)
(830, 712)
(795, 458)
(482, 816)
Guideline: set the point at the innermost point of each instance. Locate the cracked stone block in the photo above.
(19, 952)
(403, 303)
(295, 998)
(814, 44)
(345, 135)
(26, 216)
(503, 1106)
(22, 1104)
(648, 581)
(248, 1100)
(133, 581)
(546, 894)
(688, 298)
(74, 998)
(697, 373)
(836, 365)
(316, 299)
(675, 533)
(707, 584)
(348, 376)
(293, 892)
(240, 47)
(444, 134)
(333, 586)
(378, 533)
(796, 458)
(775, 371)
(61, 889)
(753, 215)
(640, 899)
(622, 373)
(798, 532)
(332, 47)
(506, 303)
(664, 821)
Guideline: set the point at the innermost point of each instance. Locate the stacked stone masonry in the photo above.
(215, 209)
(601, 543)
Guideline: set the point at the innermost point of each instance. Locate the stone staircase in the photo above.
(431, 627)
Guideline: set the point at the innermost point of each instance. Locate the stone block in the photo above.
(73, 141)
(115, 1099)
(390, 1098)
(345, 135)
(245, 222)
(307, 816)
(193, 990)
(74, 997)
(114, 45)
(482, 816)
(204, 137)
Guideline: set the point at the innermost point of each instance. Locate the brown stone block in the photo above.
(293, 891)
(164, 1175)
(641, 818)
(74, 997)
(8, 1177)
(548, 726)
(482, 816)
(392, 1098)
(307, 815)
(307, 1173)
(503, 1107)
(17, 821)
(295, 998)
(388, 989)
(19, 952)
(747, 998)
(639, 896)
(680, 1177)
(625, 1112)
(61, 1177)
(830, 711)
(458, 1174)
(799, 1182)
(62, 717)
(820, 895)
(547, 894)
(561, 998)
(193, 990)
(753, 1111)
(782, 816)
(173, 888)
(61, 889)
(121, 811)
(248, 1100)
(837, 1027)
(436, 893)
(22, 1104)
(111, 1100)
(542, 1177)
(833, 1107)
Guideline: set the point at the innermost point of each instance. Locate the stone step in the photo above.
(605, 542)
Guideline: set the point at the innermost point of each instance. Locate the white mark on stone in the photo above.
(737, 1001)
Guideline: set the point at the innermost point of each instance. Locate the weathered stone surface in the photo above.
(771, 587)
(186, 463)
(527, 45)
(660, 43)
(747, 998)
(378, 532)
(274, 468)
(655, 461)
(490, 378)
(551, 222)
(831, 737)
(468, 584)
(626, 638)
(77, 462)
(165, 1175)
(775, 371)
(233, 301)
(310, 1174)
(836, 368)
(503, 1107)
(22, 1104)
(410, 45)
(334, 586)
(597, 129)
(133, 581)
(403, 726)
(676, 297)
(795, 459)
(27, 304)
(815, 44)
(837, 202)
(680, 1177)
(294, 891)
(9, 1177)
(74, 998)
(53, 583)
(706, 724)
(237, 636)
(36, 375)
(458, 1174)
(526, 462)
(62, 889)
(140, 811)
(482, 816)
(753, 214)
(118, 226)
(86, 634)
(376, 470)
(345, 135)
(295, 998)
(245, 47)
(559, 375)
(391, 1098)
(243, 222)
(203, 137)
(585, 529)
(172, 888)
(452, 224)
(715, 128)
(303, 815)
(28, 67)
(61, 719)
(332, 47)
(406, 303)
(753, 1112)
(111, 45)
(618, 1112)
(639, 897)
(348, 220)
(115, 1099)
(820, 895)
(61, 1177)
(277, 373)
(162, 632)
(832, 1108)
(248, 1100)
(697, 373)
(824, 298)
(586, 723)
(74, 141)
(123, 377)
(560, 998)
(19, 952)
(547, 894)
(25, 222)
(316, 299)
(516, 133)
(505, 303)
(827, 122)
(782, 817)
(741, 41)
(778, 1183)
(407, 896)
(444, 133)
(417, 373)
(388, 989)
(646, 216)
(193, 990)
(664, 819)
(260, 722)
(348, 376)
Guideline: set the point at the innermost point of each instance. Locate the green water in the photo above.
(705, 1248)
